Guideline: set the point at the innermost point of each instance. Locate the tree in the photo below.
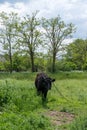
(30, 36)
(8, 34)
(56, 31)
(77, 53)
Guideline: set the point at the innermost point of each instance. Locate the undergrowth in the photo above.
(22, 109)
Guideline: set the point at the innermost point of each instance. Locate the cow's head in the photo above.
(47, 81)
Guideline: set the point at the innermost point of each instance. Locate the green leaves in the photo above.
(77, 53)
(28, 33)
(8, 34)
(56, 31)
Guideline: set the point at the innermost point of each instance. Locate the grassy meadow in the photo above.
(22, 109)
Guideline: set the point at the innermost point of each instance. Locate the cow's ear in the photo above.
(53, 80)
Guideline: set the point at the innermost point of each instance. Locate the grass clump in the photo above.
(80, 123)
(23, 121)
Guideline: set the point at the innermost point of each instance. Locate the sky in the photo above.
(71, 11)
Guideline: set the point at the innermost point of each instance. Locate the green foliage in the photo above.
(84, 66)
(25, 121)
(5, 93)
(8, 34)
(20, 62)
(55, 32)
(24, 35)
(30, 36)
(7, 65)
(79, 123)
(65, 65)
(21, 108)
(2, 68)
(77, 53)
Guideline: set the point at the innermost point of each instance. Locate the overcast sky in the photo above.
(74, 11)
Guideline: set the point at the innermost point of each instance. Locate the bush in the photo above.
(84, 67)
(66, 66)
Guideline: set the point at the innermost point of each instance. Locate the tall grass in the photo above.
(79, 123)
(24, 121)
(22, 109)
(20, 106)
(31, 76)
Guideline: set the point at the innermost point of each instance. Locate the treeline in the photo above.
(23, 40)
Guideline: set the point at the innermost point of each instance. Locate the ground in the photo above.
(60, 118)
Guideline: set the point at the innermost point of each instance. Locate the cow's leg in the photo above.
(44, 95)
(38, 92)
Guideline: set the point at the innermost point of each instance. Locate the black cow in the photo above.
(43, 83)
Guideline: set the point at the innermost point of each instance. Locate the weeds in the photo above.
(22, 109)
(24, 121)
(79, 123)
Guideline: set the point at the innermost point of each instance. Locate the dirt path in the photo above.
(60, 118)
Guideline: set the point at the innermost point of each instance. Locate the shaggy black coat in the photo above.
(43, 83)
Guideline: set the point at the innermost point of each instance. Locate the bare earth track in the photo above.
(60, 118)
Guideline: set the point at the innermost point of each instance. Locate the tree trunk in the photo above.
(53, 62)
(11, 64)
(10, 58)
(32, 61)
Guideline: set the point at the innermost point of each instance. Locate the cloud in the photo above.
(74, 11)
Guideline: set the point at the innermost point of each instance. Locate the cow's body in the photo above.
(43, 83)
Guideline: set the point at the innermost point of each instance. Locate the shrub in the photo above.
(66, 66)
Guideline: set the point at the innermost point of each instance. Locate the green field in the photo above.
(22, 109)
